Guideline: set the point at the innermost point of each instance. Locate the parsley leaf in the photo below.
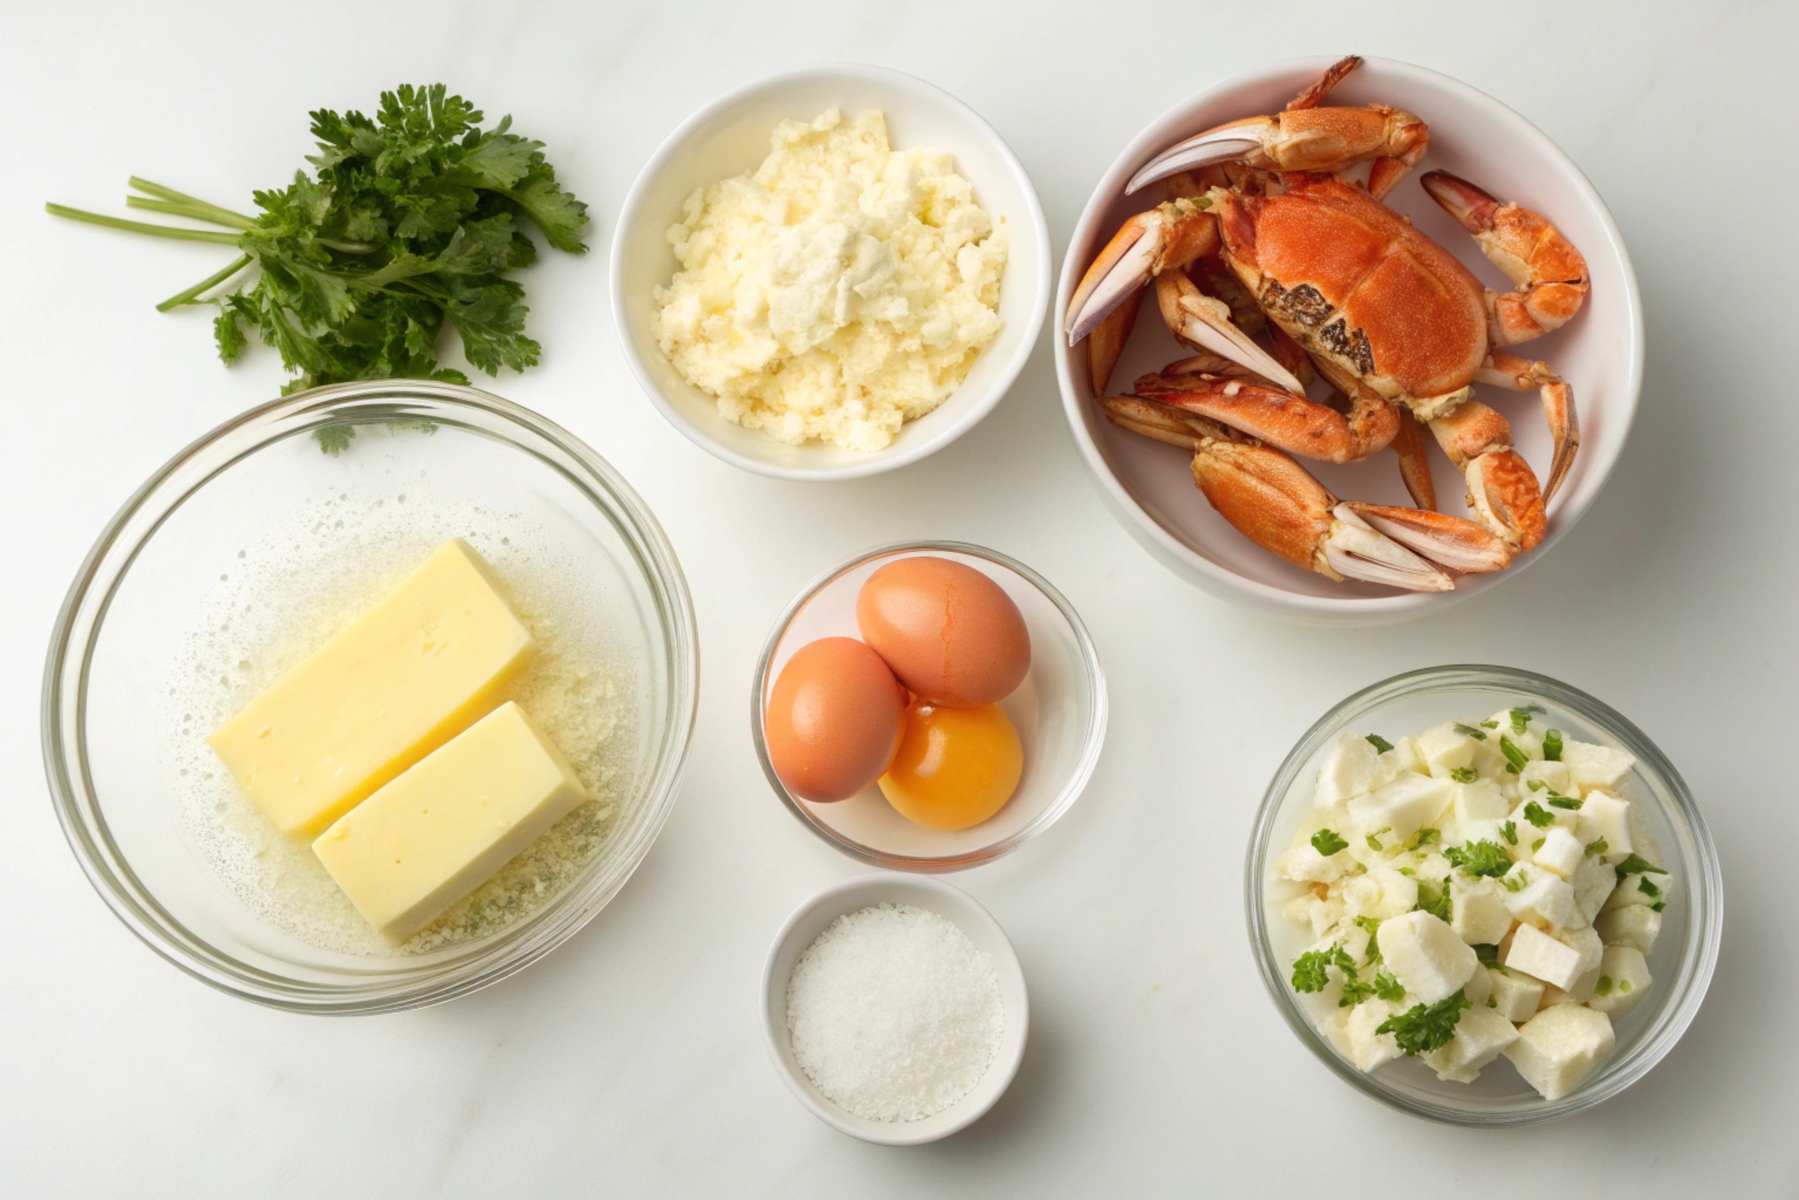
(1463, 774)
(1479, 735)
(1433, 898)
(1539, 816)
(1635, 864)
(1479, 858)
(1380, 743)
(1425, 837)
(1509, 831)
(1310, 970)
(1427, 1027)
(1487, 953)
(1522, 714)
(1552, 746)
(1327, 842)
(1515, 758)
(1567, 802)
(1598, 847)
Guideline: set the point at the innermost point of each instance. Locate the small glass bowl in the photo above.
(1685, 953)
(1059, 710)
(152, 569)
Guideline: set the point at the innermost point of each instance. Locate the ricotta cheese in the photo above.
(840, 290)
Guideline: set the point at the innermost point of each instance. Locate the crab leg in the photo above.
(1306, 139)
(1166, 238)
(1106, 343)
(1502, 489)
(1204, 323)
(1286, 419)
(1275, 502)
(1550, 273)
(1414, 463)
(1458, 544)
(1522, 374)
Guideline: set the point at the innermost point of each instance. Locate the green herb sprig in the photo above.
(1427, 1027)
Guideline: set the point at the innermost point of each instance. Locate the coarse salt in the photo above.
(894, 1013)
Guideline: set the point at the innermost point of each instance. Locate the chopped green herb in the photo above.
(1425, 837)
(1515, 758)
(1637, 865)
(1489, 724)
(1310, 970)
(1604, 986)
(1537, 845)
(1658, 906)
(1388, 988)
(1552, 746)
(1479, 735)
(1354, 992)
(1488, 954)
(1374, 841)
(1536, 785)
(1567, 802)
(1522, 714)
(1598, 847)
(1511, 883)
(1371, 924)
(1379, 743)
(1433, 898)
(1539, 816)
(1509, 831)
(1479, 858)
(1408, 870)
(1624, 985)
(1463, 774)
(1327, 842)
(1427, 1027)
(1491, 1002)
(1647, 888)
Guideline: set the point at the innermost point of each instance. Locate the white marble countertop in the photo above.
(630, 1062)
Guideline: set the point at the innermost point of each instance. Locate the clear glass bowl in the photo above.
(1059, 710)
(152, 570)
(1685, 953)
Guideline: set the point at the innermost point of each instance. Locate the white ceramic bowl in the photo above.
(802, 929)
(1148, 486)
(731, 136)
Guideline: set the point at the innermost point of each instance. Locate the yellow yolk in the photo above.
(955, 767)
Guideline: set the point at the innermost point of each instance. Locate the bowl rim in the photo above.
(1093, 744)
(81, 618)
(1687, 984)
(1220, 580)
(872, 888)
(630, 213)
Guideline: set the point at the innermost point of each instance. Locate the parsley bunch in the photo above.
(411, 221)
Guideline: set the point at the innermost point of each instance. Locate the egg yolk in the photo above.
(955, 767)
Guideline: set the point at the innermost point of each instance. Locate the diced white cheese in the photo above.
(1444, 750)
(1368, 1049)
(1425, 955)
(1348, 770)
(1593, 882)
(1479, 801)
(1477, 831)
(1516, 995)
(1317, 913)
(1605, 817)
(1304, 864)
(1529, 831)
(1549, 959)
(1335, 1028)
(1401, 808)
(1579, 993)
(1477, 910)
(1559, 1047)
(1380, 893)
(1641, 839)
(1636, 925)
(1623, 981)
(1478, 987)
(1488, 762)
(1541, 898)
(1401, 758)
(1530, 740)
(1596, 766)
(1480, 1036)
(1561, 851)
(1554, 776)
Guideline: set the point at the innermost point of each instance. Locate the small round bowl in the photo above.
(134, 602)
(731, 136)
(1685, 953)
(1149, 487)
(1059, 711)
(802, 929)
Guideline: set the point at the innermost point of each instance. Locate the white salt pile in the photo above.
(894, 1014)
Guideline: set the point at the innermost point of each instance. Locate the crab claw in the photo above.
(1307, 139)
(1502, 489)
(1165, 238)
(1453, 542)
(1204, 323)
(1550, 273)
(1284, 419)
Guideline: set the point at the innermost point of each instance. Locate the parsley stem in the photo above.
(219, 216)
(191, 212)
(215, 236)
(213, 280)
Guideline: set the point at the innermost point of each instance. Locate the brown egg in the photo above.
(833, 720)
(950, 633)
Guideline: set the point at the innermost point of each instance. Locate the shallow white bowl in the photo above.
(802, 929)
(731, 136)
(1148, 486)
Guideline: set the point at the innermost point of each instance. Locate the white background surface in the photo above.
(630, 1061)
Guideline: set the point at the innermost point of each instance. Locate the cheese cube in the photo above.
(1368, 1049)
(1401, 808)
(1642, 841)
(1623, 981)
(1303, 864)
(1444, 750)
(1636, 925)
(1638, 889)
(1537, 954)
(1401, 758)
(1348, 770)
(397, 683)
(1477, 911)
(1528, 830)
(1605, 817)
(1381, 892)
(1559, 1047)
(1596, 766)
(1479, 801)
(1587, 944)
(1317, 913)
(1541, 898)
(1554, 776)
(1561, 851)
(443, 828)
(1530, 740)
(1425, 955)
(1480, 1036)
(1479, 987)
(1593, 883)
(1516, 995)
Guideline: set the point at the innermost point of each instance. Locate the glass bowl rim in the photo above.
(82, 616)
(1705, 891)
(1091, 672)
